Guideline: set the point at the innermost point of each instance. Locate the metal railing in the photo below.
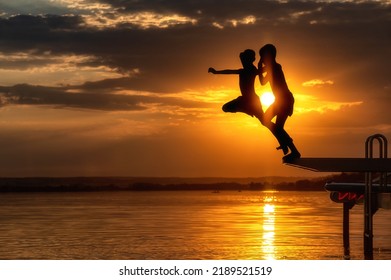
(370, 202)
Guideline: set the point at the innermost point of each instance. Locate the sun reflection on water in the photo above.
(268, 226)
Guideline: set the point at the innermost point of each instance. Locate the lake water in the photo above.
(182, 225)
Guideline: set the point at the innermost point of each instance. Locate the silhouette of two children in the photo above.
(269, 71)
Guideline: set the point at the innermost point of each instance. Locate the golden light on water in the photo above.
(268, 227)
(268, 208)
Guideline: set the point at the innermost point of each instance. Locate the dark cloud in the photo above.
(207, 10)
(176, 58)
(61, 97)
(39, 95)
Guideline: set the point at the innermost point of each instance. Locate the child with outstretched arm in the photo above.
(249, 102)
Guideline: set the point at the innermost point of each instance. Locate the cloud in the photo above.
(235, 22)
(165, 47)
(317, 83)
(306, 105)
(83, 5)
(143, 20)
(31, 7)
(49, 70)
(111, 54)
(80, 98)
(59, 97)
(100, 15)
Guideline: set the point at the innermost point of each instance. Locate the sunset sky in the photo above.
(120, 88)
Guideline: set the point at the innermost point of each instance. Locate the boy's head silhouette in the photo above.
(247, 57)
(269, 51)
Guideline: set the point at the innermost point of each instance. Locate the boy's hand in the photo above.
(211, 70)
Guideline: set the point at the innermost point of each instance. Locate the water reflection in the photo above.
(268, 226)
(181, 225)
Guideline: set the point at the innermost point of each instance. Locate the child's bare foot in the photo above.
(284, 149)
(292, 156)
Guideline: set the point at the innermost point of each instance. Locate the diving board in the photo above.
(342, 164)
(375, 193)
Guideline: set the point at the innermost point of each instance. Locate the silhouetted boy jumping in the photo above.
(249, 102)
(283, 103)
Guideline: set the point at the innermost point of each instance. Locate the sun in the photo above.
(267, 98)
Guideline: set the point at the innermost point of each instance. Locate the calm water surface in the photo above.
(182, 225)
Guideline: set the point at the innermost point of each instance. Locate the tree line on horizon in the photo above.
(122, 184)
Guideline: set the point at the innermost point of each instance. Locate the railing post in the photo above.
(370, 201)
(346, 232)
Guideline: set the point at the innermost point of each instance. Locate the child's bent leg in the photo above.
(294, 154)
(287, 143)
(232, 106)
(285, 138)
(280, 134)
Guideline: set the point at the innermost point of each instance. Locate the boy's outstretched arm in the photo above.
(226, 71)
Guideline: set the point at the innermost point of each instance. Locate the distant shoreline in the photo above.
(93, 184)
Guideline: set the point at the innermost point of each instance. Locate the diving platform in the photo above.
(342, 164)
(374, 193)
